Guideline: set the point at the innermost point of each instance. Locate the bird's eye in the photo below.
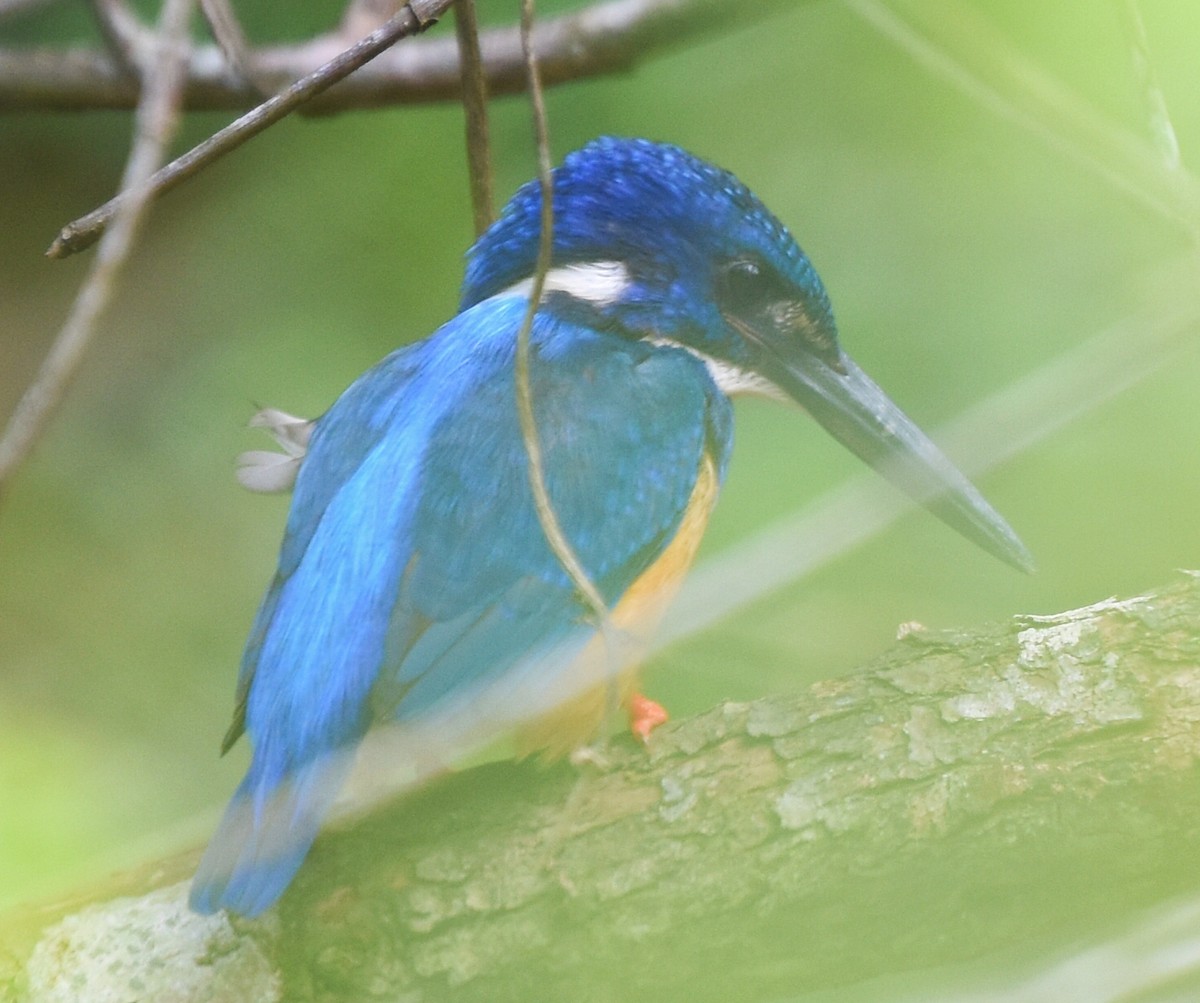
(746, 281)
(762, 305)
(749, 288)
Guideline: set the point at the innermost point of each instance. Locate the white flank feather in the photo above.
(270, 472)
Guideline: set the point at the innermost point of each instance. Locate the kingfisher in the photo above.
(415, 578)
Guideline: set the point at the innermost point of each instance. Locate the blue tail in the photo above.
(264, 836)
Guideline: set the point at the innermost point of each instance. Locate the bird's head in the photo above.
(655, 244)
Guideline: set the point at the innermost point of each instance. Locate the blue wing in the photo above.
(414, 570)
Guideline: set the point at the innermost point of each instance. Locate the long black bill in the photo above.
(863, 419)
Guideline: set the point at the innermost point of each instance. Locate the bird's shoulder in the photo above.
(382, 421)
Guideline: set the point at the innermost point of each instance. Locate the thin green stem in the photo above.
(547, 517)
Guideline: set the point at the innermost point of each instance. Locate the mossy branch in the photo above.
(971, 792)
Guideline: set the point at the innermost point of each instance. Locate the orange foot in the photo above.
(645, 715)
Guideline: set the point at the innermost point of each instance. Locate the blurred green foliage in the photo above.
(961, 252)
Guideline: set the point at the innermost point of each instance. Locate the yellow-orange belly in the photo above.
(579, 719)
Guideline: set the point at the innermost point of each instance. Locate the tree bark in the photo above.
(1008, 789)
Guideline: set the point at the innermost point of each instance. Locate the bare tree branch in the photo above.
(116, 25)
(364, 16)
(413, 17)
(474, 98)
(606, 37)
(227, 31)
(155, 124)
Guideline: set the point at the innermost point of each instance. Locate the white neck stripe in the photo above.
(601, 283)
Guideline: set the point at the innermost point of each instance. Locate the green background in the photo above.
(962, 251)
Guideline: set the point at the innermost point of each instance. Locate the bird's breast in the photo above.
(605, 686)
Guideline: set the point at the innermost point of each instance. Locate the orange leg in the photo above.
(645, 715)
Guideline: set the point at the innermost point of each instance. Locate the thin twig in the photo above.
(363, 16)
(610, 36)
(551, 528)
(232, 41)
(474, 97)
(114, 22)
(415, 16)
(157, 118)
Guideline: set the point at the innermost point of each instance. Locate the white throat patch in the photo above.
(730, 380)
